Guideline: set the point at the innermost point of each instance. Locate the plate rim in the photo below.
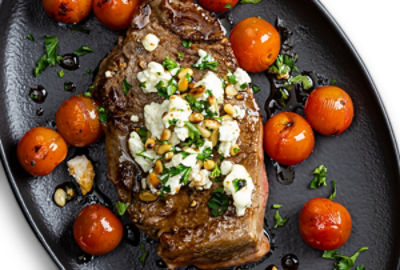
(336, 27)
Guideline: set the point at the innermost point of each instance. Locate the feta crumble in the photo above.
(229, 132)
(178, 112)
(81, 169)
(151, 76)
(145, 159)
(150, 42)
(213, 83)
(242, 77)
(153, 117)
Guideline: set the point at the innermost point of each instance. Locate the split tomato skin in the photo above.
(67, 11)
(256, 44)
(218, 5)
(40, 151)
(288, 138)
(324, 224)
(97, 230)
(329, 110)
(115, 14)
(77, 120)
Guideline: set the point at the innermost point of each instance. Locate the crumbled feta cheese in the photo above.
(182, 133)
(241, 197)
(178, 112)
(151, 76)
(200, 178)
(81, 168)
(147, 159)
(174, 140)
(242, 77)
(153, 117)
(108, 74)
(229, 132)
(189, 161)
(213, 83)
(204, 56)
(134, 118)
(150, 42)
(226, 167)
(174, 183)
(238, 112)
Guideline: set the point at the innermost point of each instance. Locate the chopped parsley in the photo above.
(186, 43)
(302, 79)
(142, 154)
(121, 207)
(126, 87)
(169, 63)
(216, 172)
(244, 86)
(250, 1)
(279, 220)
(30, 37)
(333, 195)
(50, 58)
(168, 90)
(142, 134)
(142, 84)
(319, 179)
(205, 154)
(255, 88)
(186, 175)
(102, 114)
(344, 262)
(207, 62)
(218, 202)
(232, 79)
(238, 184)
(87, 94)
(228, 6)
(333, 81)
(61, 74)
(142, 259)
(284, 65)
(83, 50)
(181, 56)
(78, 28)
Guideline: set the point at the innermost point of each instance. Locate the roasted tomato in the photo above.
(218, 5)
(256, 44)
(97, 230)
(40, 150)
(329, 110)
(115, 14)
(78, 121)
(288, 138)
(67, 11)
(324, 224)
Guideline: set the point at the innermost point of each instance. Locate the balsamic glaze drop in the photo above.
(132, 234)
(69, 86)
(70, 61)
(40, 111)
(84, 258)
(38, 94)
(290, 262)
(161, 264)
(284, 174)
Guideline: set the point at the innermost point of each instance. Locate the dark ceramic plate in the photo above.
(364, 160)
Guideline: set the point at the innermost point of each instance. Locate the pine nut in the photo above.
(212, 124)
(150, 144)
(147, 196)
(196, 118)
(204, 132)
(231, 91)
(183, 84)
(184, 72)
(214, 137)
(164, 148)
(235, 149)
(60, 197)
(166, 135)
(197, 92)
(168, 156)
(227, 117)
(239, 97)
(212, 100)
(209, 164)
(228, 108)
(154, 181)
(158, 168)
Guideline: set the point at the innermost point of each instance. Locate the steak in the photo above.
(187, 232)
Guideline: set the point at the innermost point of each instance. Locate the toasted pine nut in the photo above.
(212, 100)
(239, 97)
(147, 196)
(158, 168)
(228, 108)
(166, 135)
(154, 181)
(193, 203)
(196, 118)
(209, 164)
(168, 156)
(184, 72)
(214, 137)
(231, 91)
(212, 124)
(204, 132)
(164, 148)
(60, 197)
(183, 84)
(198, 91)
(235, 149)
(227, 117)
(150, 144)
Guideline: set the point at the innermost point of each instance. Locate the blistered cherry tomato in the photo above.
(67, 11)
(78, 121)
(256, 44)
(40, 150)
(97, 230)
(218, 5)
(324, 224)
(329, 110)
(115, 14)
(288, 138)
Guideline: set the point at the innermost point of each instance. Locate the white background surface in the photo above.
(373, 27)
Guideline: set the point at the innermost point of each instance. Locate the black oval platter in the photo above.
(364, 160)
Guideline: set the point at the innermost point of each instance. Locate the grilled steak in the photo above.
(187, 231)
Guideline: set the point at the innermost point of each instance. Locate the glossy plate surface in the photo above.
(363, 161)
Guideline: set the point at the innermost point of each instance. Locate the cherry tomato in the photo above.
(324, 224)
(40, 150)
(67, 11)
(218, 5)
(97, 230)
(115, 14)
(256, 44)
(78, 121)
(329, 110)
(288, 138)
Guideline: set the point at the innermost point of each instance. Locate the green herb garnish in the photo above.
(181, 56)
(126, 87)
(187, 43)
(218, 202)
(215, 172)
(232, 79)
(87, 94)
(61, 74)
(207, 63)
(279, 220)
(30, 37)
(102, 114)
(50, 58)
(238, 184)
(333, 195)
(169, 63)
(142, 84)
(283, 66)
(277, 206)
(168, 90)
(228, 6)
(255, 88)
(250, 1)
(121, 207)
(205, 154)
(302, 79)
(142, 154)
(142, 259)
(343, 262)
(83, 51)
(319, 179)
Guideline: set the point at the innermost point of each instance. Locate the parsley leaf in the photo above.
(218, 202)
(102, 114)
(186, 175)
(302, 79)
(61, 74)
(207, 62)
(250, 1)
(30, 37)
(142, 154)
(344, 262)
(228, 6)
(255, 88)
(83, 50)
(277, 206)
(333, 195)
(166, 90)
(142, 259)
(215, 172)
(50, 58)
(205, 154)
(121, 207)
(186, 43)
(319, 179)
(283, 66)
(279, 220)
(126, 87)
(181, 56)
(169, 63)
(232, 79)
(360, 267)
(238, 184)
